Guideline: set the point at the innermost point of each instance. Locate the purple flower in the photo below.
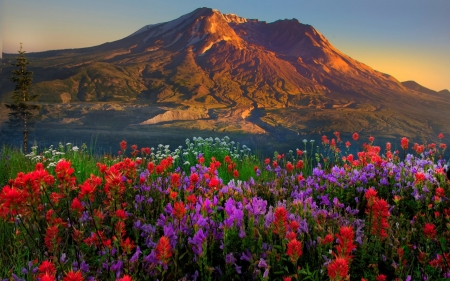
(197, 242)
(117, 266)
(262, 263)
(266, 273)
(246, 256)
(136, 254)
(229, 258)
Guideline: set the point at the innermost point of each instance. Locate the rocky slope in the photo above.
(207, 66)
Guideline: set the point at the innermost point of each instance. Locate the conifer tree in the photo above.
(22, 108)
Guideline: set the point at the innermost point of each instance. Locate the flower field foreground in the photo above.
(213, 211)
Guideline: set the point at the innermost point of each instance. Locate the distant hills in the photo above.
(212, 71)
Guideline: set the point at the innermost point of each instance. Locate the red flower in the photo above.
(381, 277)
(291, 235)
(379, 212)
(388, 146)
(121, 214)
(179, 210)
(163, 250)
(429, 230)
(370, 196)
(125, 278)
(280, 221)
(350, 158)
(76, 205)
(64, 170)
(47, 277)
(289, 167)
(328, 239)
(73, 276)
(123, 145)
(235, 173)
(299, 165)
(192, 199)
(299, 152)
(194, 178)
(355, 136)
(346, 245)
(419, 176)
(213, 183)
(175, 179)
(441, 136)
(47, 267)
(404, 143)
(51, 238)
(294, 250)
(440, 192)
(173, 195)
(127, 245)
(338, 269)
(443, 146)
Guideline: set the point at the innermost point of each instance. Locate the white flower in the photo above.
(75, 148)
(305, 140)
(187, 163)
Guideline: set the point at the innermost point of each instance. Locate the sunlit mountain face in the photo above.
(221, 73)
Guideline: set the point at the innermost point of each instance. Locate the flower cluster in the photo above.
(371, 216)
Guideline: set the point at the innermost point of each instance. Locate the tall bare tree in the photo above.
(22, 108)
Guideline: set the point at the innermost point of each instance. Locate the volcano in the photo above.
(220, 72)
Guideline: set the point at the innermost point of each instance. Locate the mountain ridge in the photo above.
(223, 64)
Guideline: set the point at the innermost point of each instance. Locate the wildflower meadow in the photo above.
(213, 210)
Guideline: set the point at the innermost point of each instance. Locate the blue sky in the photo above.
(409, 39)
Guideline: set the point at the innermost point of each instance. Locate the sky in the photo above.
(408, 39)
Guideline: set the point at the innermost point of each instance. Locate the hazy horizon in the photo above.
(408, 39)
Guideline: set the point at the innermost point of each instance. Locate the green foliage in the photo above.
(22, 109)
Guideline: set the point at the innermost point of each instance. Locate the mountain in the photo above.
(212, 71)
(413, 85)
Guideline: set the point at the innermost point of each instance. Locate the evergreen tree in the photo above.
(22, 108)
